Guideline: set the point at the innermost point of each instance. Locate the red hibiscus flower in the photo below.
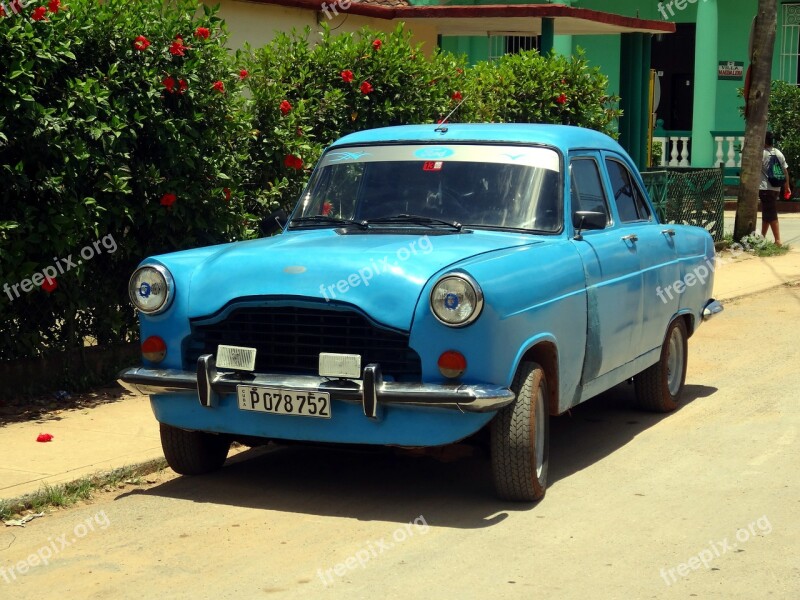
(16, 7)
(562, 99)
(53, 6)
(286, 107)
(243, 74)
(457, 96)
(376, 45)
(182, 86)
(219, 86)
(327, 208)
(293, 162)
(366, 87)
(141, 43)
(168, 199)
(202, 33)
(347, 76)
(38, 13)
(177, 48)
(169, 83)
(227, 192)
(49, 285)
(2, 11)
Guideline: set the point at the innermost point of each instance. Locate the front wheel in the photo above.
(520, 438)
(658, 388)
(193, 452)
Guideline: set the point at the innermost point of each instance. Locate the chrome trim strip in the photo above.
(475, 398)
(712, 308)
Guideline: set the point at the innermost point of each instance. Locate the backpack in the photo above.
(775, 175)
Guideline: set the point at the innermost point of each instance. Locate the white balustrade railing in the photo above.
(729, 149)
(675, 151)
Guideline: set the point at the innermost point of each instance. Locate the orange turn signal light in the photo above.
(154, 349)
(452, 364)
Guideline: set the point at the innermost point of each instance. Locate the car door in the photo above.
(655, 247)
(612, 273)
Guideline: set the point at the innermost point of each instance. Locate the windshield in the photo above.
(509, 187)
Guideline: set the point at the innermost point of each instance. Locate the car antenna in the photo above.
(441, 125)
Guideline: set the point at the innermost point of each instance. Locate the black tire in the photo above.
(520, 435)
(658, 388)
(193, 452)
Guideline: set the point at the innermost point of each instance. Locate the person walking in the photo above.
(769, 192)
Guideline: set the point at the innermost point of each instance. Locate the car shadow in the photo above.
(450, 487)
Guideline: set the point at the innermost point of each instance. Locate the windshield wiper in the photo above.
(415, 220)
(325, 220)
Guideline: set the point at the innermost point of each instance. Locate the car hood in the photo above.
(382, 274)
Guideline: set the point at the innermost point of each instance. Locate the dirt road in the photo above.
(703, 503)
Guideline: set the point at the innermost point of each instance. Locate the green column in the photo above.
(636, 92)
(706, 65)
(647, 44)
(625, 58)
(548, 36)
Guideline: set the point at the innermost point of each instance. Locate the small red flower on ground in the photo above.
(38, 13)
(243, 74)
(347, 76)
(182, 86)
(141, 43)
(457, 96)
(49, 285)
(293, 162)
(53, 6)
(169, 83)
(562, 99)
(227, 192)
(168, 199)
(202, 33)
(366, 87)
(177, 47)
(44, 437)
(376, 45)
(219, 86)
(286, 107)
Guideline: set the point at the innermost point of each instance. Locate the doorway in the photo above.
(673, 60)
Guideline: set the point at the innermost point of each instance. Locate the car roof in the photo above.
(564, 137)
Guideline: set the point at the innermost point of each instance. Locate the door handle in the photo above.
(630, 238)
(669, 232)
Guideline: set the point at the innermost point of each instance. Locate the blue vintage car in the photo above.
(432, 281)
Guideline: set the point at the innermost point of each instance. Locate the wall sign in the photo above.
(731, 70)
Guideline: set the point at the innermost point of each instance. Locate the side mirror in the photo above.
(588, 219)
(273, 222)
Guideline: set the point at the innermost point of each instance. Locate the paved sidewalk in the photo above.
(125, 432)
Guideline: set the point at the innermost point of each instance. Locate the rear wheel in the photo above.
(658, 388)
(520, 438)
(193, 452)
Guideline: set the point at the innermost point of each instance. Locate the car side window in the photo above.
(629, 198)
(586, 187)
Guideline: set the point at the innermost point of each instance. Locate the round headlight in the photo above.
(456, 300)
(151, 289)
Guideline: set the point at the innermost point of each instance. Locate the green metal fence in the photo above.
(689, 197)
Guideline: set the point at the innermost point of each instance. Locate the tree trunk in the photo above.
(756, 128)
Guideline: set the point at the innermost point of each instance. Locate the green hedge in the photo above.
(784, 121)
(129, 129)
(97, 137)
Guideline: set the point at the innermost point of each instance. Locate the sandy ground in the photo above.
(700, 503)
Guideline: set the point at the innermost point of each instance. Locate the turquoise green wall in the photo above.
(476, 48)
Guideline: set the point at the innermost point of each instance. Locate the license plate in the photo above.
(281, 401)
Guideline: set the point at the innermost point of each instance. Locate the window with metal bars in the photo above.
(790, 44)
(501, 44)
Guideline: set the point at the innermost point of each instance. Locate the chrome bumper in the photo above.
(711, 309)
(370, 391)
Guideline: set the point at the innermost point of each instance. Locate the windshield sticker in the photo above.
(346, 156)
(433, 153)
(432, 166)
